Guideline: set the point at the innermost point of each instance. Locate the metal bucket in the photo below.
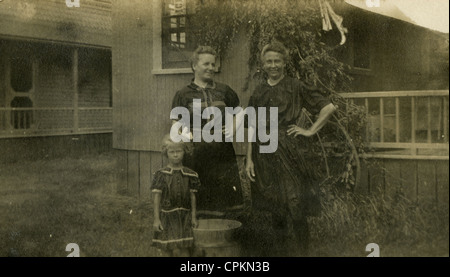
(216, 238)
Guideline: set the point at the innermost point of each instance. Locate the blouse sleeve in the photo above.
(177, 100)
(313, 99)
(231, 98)
(194, 183)
(159, 182)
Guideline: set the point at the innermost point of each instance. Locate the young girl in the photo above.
(174, 190)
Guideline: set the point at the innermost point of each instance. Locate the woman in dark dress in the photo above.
(215, 162)
(284, 182)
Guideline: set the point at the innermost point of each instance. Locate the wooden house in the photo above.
(400, 73)
(55, 77)
(102, 74)
(398, 76)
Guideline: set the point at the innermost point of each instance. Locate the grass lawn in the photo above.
(47, 204)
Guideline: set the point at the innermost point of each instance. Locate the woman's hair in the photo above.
(167, 142)
(201, 50)
(275, 46)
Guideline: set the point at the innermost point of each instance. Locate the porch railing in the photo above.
(406, 124)
(401, 124)
(25, 122)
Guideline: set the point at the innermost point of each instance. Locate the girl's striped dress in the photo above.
(175, 187)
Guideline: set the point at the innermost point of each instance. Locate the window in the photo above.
(177, 39)
(174, 38)
(21, 74)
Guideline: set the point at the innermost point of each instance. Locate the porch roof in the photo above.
(431, 14)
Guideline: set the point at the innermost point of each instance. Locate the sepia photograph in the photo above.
(235, 129)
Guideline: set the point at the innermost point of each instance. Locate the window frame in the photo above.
(157, 44)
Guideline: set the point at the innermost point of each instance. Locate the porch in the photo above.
(31, 122)
(55, 99)
(49, 89)
(407, 144)
(405, 124)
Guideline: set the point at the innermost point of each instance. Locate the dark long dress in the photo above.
(286, 182)
(175, 187)
(215, 162)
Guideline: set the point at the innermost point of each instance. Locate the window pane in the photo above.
(173, 37)
(374, 106)
(374, 119)
(405, 119)
(437, 119)
(173, 23)
(389, 105)
(421, 119)
(389, 119)
(174, 7)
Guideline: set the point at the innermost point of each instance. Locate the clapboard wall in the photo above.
(422, 181)
(48, 147)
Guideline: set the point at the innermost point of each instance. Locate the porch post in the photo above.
(413, 126)
(75, 89)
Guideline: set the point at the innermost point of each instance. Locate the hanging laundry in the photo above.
(326, 12)
(326, 23)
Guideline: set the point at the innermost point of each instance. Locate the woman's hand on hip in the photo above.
(296, 131)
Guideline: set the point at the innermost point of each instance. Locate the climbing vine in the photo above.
(298, 25)
(295, 23)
